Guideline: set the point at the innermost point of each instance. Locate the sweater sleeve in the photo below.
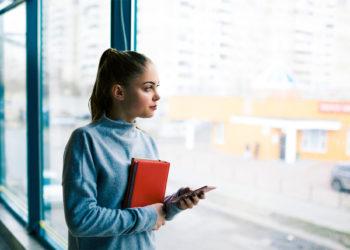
(171, 208)
(84, 217)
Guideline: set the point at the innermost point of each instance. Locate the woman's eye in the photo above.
(151, 87)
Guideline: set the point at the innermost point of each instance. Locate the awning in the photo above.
(283, 123)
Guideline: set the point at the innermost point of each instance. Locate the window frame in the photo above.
(123, 37)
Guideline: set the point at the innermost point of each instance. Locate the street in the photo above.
(203, 228)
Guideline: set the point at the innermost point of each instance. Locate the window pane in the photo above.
(75, 33)
(255, 100)
(314, 141)
(13, 78)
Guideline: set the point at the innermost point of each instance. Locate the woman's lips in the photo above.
(154, 107)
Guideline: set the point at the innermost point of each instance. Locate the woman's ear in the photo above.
(118, 92)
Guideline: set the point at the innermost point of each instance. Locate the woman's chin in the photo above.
(148, 115)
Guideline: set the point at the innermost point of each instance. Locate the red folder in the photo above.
(146, 183)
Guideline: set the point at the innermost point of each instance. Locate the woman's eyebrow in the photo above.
(151, 82)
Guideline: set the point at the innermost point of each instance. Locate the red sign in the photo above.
(334, 107)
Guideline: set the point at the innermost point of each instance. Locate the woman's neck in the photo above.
(116, 114)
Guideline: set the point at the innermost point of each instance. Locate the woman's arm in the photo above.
(83, 215)
(86, 219)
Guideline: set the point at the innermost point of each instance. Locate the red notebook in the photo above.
(146, 183)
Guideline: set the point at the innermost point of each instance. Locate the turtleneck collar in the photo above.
(118, 122)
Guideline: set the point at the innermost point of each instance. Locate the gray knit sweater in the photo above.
(95, 174)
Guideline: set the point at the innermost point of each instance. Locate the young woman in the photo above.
(98, 155)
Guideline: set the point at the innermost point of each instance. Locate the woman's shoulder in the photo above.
(84, 130)
(80, 136)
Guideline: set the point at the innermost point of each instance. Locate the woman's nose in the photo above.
(156, 96)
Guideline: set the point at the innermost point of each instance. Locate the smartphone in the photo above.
(205, 189)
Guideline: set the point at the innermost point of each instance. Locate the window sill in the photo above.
(14, 233)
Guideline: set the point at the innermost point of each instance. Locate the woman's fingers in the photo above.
(182, 204)
(159, 225)
(201, 195)
(186, 203)
(190, 201)
(184, 190)
(194, 199)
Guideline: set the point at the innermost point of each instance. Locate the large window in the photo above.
(254, 98)
(13, 108)
(75, 33)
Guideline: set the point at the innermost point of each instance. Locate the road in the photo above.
(203, 228)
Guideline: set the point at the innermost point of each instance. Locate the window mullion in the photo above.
(121, 14)
(34, 132)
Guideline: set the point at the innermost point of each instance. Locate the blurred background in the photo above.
(255, 100)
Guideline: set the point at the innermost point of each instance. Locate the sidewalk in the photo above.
(333, 218)
(292, 198)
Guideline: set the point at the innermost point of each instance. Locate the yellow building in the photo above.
(285, 128)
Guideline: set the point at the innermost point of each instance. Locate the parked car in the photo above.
(340, 178)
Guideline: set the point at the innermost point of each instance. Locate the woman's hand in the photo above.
(189, 202)
(160, 216)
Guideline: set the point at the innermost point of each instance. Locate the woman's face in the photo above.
(141, 95)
